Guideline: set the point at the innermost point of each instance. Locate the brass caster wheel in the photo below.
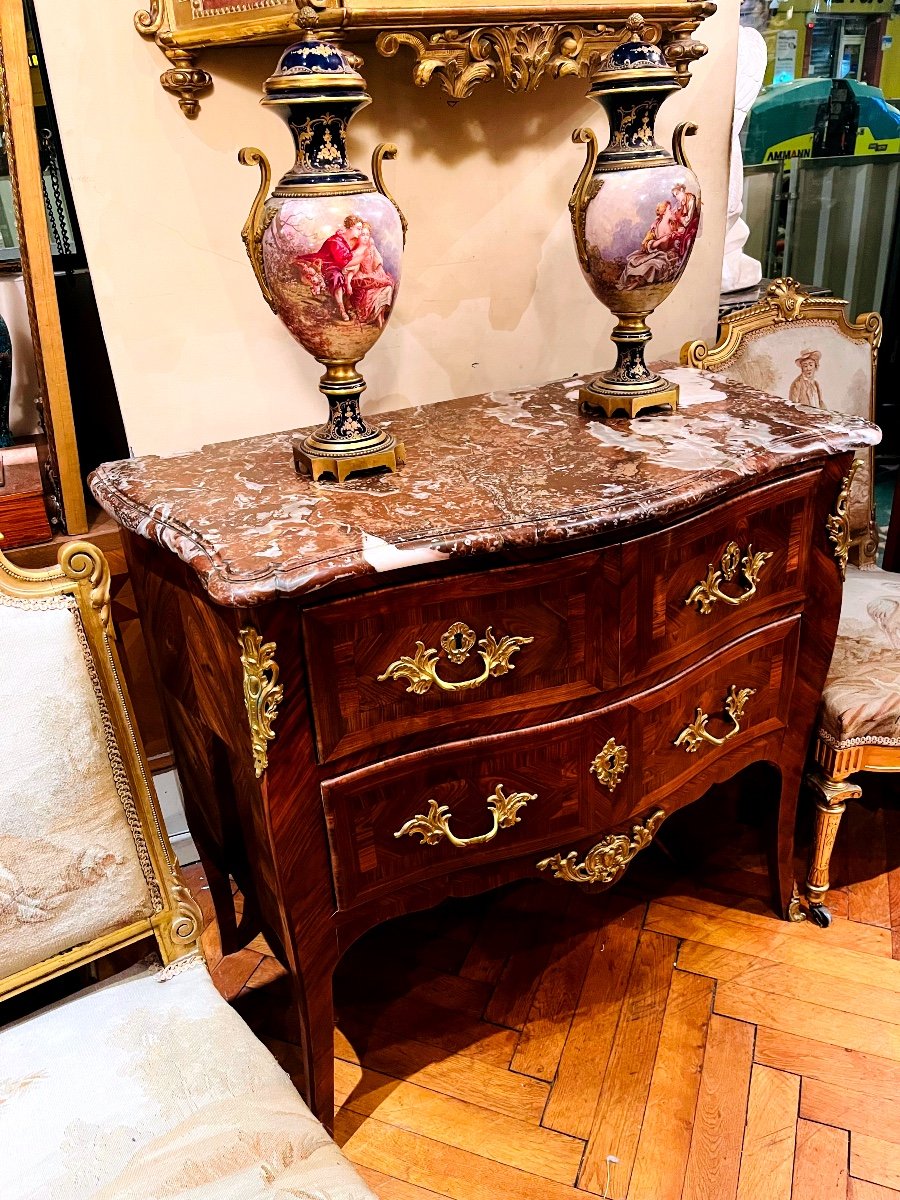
(820, 915)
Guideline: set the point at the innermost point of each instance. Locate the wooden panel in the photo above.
(464, 1076)
(544, 1034)
(795, 1016)
(365, 810)
(661, 571)
(623, 1098)
(582, 1067)
(715, 1156)
(861, 1189)
(351, 642)
(860, 1112)
(795, 982)
(768, 1155)
(426, 1113)
(852, 1069)
(673, 1094)
(820, 1168)
(416, 1159)
(797, 948)
(876, 1160)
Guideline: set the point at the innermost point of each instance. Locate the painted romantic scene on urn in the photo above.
(635, 217)
(326, 247)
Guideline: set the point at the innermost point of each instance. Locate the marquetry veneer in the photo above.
(653, 574)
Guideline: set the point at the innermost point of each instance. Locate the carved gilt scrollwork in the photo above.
(521, 55)
(83, 561)
(187, 921)
(262, 693)
(609, 858)
(837, 525)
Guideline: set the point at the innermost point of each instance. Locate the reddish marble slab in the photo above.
(488, 473)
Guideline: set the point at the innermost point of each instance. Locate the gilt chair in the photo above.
(804, 349)
(148, 1084)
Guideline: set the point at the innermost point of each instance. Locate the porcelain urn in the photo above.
(326, 248)
(635, 216)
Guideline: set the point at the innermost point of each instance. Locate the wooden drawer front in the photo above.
(350, 643)
(764, 663)
(662, 571)
(365, 810)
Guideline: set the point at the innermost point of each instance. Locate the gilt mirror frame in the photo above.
(57, 449)
(460, 44)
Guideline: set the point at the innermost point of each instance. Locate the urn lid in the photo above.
(633, 58)
(312, 69)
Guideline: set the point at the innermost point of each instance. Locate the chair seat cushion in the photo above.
(151, 1086)
(861, 703)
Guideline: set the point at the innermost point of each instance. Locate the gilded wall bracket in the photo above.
(519, 43)
(521, 56)
(262, 693)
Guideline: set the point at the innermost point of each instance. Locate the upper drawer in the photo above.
(707, 580)
(409, 659)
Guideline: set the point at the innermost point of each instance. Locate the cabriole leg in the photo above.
(831, 797)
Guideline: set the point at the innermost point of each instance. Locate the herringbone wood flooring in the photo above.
(668, 1040)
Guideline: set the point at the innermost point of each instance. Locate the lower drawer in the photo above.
(492, 798)
(740, 694)
(475, 802)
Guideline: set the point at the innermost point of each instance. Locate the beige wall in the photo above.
(491, 297)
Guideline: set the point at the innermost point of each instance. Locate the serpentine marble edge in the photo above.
(501, 471)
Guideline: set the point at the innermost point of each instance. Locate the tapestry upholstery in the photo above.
(152, 1086)
(70, 869)
(814, 364)
(861, 703)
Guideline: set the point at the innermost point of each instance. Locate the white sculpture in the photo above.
(739, 271)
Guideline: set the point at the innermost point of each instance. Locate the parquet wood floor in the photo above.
(667, 1040)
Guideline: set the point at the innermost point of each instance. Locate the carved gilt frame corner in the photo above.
(520, 42)
(83, 573)
(783, 303)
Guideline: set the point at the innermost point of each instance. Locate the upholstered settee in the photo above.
(146, 1085)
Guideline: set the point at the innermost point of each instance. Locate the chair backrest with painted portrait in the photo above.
(85, 866)
(804, 349)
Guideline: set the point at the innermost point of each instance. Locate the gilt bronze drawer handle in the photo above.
(705, 594)
(421, 668)
(691, 737)
(435, 824)
(609, 858)
(610, 764)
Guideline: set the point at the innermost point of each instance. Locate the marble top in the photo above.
(501, 471)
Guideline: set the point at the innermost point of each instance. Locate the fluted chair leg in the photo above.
(831, 797)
